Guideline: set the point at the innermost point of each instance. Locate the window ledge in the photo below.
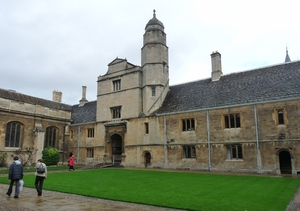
(234, 128)
(190, 159)
(238, 160)
(281, 126)
(188, 131)
(12, 148)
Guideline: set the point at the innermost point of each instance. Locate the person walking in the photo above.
(15, 175)
(41, 175)
(71, 162)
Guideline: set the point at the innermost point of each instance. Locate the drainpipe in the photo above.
(165, 143)
(78, 143)
(63, 151)
(208, 139)
(257, 141)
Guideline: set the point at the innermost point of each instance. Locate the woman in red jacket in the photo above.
(71, 162)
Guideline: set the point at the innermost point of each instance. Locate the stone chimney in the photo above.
(216, 66)
(83, 99)
(56, 96)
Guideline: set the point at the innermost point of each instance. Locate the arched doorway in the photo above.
(285, 162)
(147, 157)
(117, 146)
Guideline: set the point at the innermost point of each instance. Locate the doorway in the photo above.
(147, 159)
(285, 162)
(117, 148)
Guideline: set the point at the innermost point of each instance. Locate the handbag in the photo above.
(40, 169)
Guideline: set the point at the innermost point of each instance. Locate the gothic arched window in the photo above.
(51, 137)
(13, 134)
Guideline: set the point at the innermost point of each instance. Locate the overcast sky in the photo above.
(66, 44)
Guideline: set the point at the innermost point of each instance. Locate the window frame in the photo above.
(51, 137)
(90, 132)
(90, 152)
(235, 152)
(146, 124)
(116, 112)
(232, 120)
(188, 152)
(153, 91)
(280, 117)
(14, 136)
(188, 125)
(116, 85)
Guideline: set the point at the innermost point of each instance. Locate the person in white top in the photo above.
(41, 175)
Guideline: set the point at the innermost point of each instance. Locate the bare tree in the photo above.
(25, 155)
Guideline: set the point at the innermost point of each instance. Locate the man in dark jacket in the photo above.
(15, 175)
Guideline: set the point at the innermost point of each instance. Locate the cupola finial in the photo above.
(287, 57)
(154, 15)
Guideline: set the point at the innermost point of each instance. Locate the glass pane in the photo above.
(226, 122)
(238, 121)
(232, 125)
(280, 117)
(233, 150)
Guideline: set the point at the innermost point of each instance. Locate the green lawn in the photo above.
(190, 191)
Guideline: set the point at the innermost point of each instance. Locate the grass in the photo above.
(181, 190)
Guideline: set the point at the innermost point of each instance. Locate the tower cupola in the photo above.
(154, 24)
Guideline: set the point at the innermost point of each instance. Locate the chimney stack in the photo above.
(56, 96)
(83, 99)
(216, 66)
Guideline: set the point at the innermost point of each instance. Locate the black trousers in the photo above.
(11, 184)
(39, 181)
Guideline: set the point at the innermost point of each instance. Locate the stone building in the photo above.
(241, 122)
(29, 124)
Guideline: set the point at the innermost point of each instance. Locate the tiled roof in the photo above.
(84, 114)
(12, 95)
(271, 83)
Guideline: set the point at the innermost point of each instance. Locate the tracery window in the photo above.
(51, 137)
(13, 134)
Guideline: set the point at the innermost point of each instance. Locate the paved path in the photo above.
(50, 200)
